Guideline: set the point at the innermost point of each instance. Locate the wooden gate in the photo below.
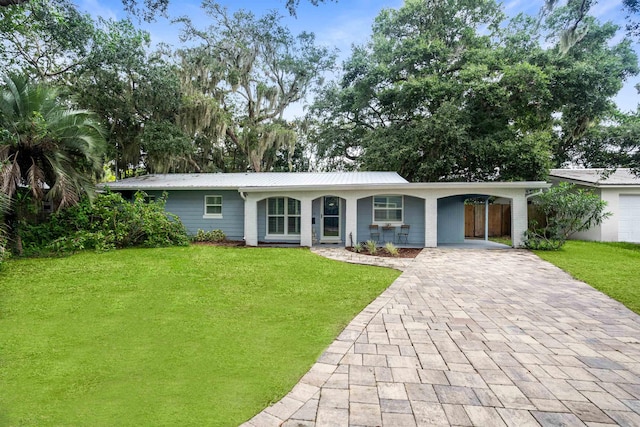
(499, 220)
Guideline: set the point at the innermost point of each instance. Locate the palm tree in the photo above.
(48, 150)
(46, 145)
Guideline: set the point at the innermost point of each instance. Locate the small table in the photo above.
(386, 229)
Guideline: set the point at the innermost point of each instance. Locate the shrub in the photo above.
(391, 248)
(372, 247)
(209, 236)
(567, 210)
(106, 223)
(357, 248)
(4, 209)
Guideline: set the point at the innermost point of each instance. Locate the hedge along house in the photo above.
(620, 189)
(307, 208)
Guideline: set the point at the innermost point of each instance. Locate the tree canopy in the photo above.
(443, 90)
(238, 82)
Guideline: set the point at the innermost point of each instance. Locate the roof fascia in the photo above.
(403, 186)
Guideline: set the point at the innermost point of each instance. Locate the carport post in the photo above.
(519, 219)
(306, 228)
(430, 222)
(351, 221)
(486, 219)
(250, 220)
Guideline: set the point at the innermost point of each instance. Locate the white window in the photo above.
(283, 216)
(388, 209)
(212, 207)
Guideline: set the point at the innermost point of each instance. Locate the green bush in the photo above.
(209, 236)
(567, 210)
(108, 222)
(539, 242)
(372, 247)
(392, 249)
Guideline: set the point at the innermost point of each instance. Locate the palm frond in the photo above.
(35, 180)
(64, 192)
(10, 177)
(64, 150)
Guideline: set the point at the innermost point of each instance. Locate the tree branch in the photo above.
(5, 3)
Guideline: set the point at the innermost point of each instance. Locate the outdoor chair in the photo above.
(374, 232)
(403, 234)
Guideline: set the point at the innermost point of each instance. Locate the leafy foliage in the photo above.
(392, 249)
(611, 143)
(446, 91)
(4, 209)
(46, 39)
(109, 222)
(238, 82)
(211, 236)
(372, 246)
(46, 143)
(137, 95)
(567, 210)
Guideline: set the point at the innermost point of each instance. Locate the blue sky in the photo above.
(338, 23)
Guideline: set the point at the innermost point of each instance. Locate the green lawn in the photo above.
(194, 335)
(612, 268)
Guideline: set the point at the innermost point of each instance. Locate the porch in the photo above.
(432, 212)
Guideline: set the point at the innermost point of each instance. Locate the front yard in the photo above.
(612, 268)
(178, 336)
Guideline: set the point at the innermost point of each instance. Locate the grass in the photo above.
(505, 240)
(196, 335)
(612, 268)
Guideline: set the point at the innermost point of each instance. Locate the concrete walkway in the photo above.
(482, 338)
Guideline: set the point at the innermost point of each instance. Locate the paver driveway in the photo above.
(486, 338)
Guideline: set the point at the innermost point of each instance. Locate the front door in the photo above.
(331, 219)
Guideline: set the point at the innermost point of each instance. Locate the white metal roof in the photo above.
(193, 181)
(596, 177)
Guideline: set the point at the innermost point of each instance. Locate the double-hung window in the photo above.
(283, 216)
(388, 209)
(212, 207)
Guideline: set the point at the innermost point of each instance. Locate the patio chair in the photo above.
(374, 232)
(403, 234)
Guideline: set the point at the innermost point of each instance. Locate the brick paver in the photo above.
(471, 337)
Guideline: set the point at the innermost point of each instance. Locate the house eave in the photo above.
(599, 185)
(471, 186)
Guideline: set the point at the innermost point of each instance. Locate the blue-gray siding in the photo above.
(413, 216)
(189, 206)
(451, 219)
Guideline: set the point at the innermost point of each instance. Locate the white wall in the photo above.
(608, 230)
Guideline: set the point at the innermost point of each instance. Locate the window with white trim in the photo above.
(283, 216)
(388, 209)
(212, 207)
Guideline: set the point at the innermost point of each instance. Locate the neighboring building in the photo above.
(621, 191)
(326, 207)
